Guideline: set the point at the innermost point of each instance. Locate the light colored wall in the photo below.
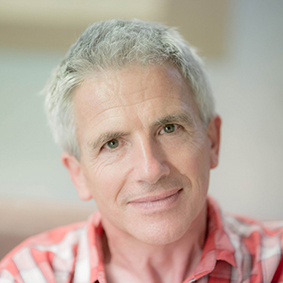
(29, 163)
(248, 86)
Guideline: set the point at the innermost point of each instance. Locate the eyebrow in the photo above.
(168, 119)
(175, 118)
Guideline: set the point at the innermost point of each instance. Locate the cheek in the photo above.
(105, 180)
(191, 159)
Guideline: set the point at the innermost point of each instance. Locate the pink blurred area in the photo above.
(22, 219)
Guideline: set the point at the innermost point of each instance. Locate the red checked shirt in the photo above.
(236, 250)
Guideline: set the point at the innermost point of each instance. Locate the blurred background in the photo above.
(242, 46)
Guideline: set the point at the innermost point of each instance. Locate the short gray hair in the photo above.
(116, 44)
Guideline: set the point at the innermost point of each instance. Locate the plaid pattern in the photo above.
(236, 250)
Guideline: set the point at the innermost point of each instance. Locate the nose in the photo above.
(149, 162)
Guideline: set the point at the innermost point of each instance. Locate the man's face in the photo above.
(145, 155)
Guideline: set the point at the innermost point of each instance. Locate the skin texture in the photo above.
(145, 160)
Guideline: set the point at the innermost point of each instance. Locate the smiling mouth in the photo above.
(160, 200)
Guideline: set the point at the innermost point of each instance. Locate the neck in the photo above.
(131, 260)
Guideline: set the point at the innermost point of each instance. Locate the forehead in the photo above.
(131, 94)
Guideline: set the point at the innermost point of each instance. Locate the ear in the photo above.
(75, 171)
(213, 132)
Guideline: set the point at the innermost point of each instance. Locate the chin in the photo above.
(161, 234)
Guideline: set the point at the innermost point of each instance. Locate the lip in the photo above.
(157, 197)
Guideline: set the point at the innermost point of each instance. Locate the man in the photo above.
(132, 108)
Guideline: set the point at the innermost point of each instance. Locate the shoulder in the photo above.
(245, 227)
(56, 246)
(257, 244)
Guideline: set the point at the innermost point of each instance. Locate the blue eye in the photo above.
(169, 128)
(113, 144)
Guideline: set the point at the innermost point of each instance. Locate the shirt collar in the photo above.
(217, 245)
(95, 233)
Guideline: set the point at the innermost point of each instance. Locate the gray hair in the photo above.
(115, 44)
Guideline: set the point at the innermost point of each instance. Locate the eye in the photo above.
(169, 128)
(112, 144)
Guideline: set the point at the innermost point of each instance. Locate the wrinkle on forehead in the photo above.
(112, 87)
(115, 94)
(137, 104)
(112, 83)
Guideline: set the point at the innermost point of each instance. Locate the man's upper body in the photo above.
(235, 250)
(131, 106)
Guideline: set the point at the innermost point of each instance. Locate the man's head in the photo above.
(114, 45)
(131, 107)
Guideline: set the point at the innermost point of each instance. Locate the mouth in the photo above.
(157, 201)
